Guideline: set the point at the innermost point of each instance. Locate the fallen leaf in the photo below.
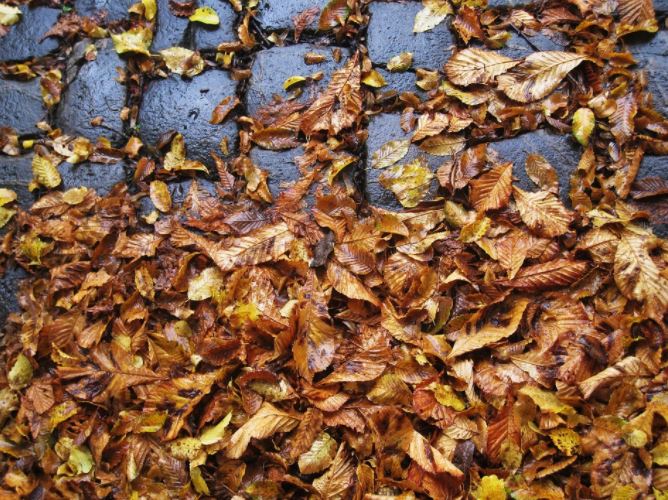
(205, 15)
(471, 66)
(389, 153)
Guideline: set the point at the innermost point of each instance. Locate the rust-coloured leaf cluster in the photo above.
(485, 341)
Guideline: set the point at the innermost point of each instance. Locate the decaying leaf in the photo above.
(471, 66)
(183, 61)
(542, 212)
(410, 183)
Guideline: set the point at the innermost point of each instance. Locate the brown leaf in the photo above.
(554, 274)
(303, 20)
(223, 109)
(542, 212)
(542, 173)
(491, 190)
(471, 66)
(346, 283)
(335, 13)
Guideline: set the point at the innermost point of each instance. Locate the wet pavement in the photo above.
(98, 94)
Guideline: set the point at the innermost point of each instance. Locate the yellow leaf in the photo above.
(431, 15)
(583, 125)
(21, 373)
(9, 15)
(160, 196)
(150, 9)
(32, 247)
(6, 215)
(475, 230)
(390, 153)
(446, 396)
(80, 461)
(401, 62)
(45, 172)
(183, 61)
(567, 440)
(374, 79)
(546, 401)
(410, 183)
(198, 481)
(538, 75)
(206, 285)
(187, 448)
(443, 144)
(319, 456)
(75, 196)
(176, 159)
(213, 434)
(205, 15)
(6, 196)
(293, 80)
(490, 488)
(136, 40)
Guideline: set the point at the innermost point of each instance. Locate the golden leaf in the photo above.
(215, 433)
(205, 15)
(266, 422)
(160, 196)
(209, 283)
(542, 173)
(6, 215)
(542, 212)
(74, 196)
(335, 13)
(319, 456)
(374, 79)
(432, 14)
(567, 440)
(492, 331)
(144, 283)
(511, 252)
(136, 40)
(471, 66)
(183, 61)
(546, 401)
(583, 125)
(7, 196)
(471, 97)
(390, 153)
(400, 62)
(444, 144)
(638, 276)
(338, 478)
(554, 274)
(176, 159)
(491, 190)
(410, 183)
(630, 367)
(490, 488)
(349, 285)
(430, 124)
(9, 15)
(45, 172)
(293, 80)
(20, 374)
(538, 75)
(150, 9)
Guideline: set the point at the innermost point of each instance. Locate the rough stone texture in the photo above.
(170, 30)
(561, 151)
(520, 46)
(383, 128)
(9, 287)
(208, 37)
(186, 105)
(275, 15)
(390, 32)
(279, 164)
(399, 82)
(23, 39)
(16, 174)
(651, 53)
(655, 166)
(94, 92)
(98, 176)
(21, 105)
(273, 66)
(661, 5)
(507, 3)
(114, 10)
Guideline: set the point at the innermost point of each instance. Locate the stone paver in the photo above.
(94, 92)
(24, 39)
(16, 174)
(652, 56)
(170, 30)
(657, 207)
(275, 15)
(399, 82)
(9, 287)
(561, 151)
(390, 32)
(113, 10)
(382, 129)
(99, 176)
(21, 105)
(280, 165)
(498, 4)
(273, 66)
(208, 37)
(521, 46)
(186, 105)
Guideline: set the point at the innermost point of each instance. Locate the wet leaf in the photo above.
(410, 183)
(183, 61)
(491, 190)
(542, 173)
(205, 15)
(136, 40)
(160, 196)
(400, 62)
(542, 212)
(223, 109)
(9, 15)
(471, 66)
(206, 285)
(335, 13)
(389, 153)
(444, 144)
(554, 274)
(583, 125)
(374, 79)
(45, 172)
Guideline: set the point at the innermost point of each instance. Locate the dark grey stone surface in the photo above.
(16, 174)
(390, 32)
(382, 129)
(9, 287)
(651, 53)
(561, 151)
(519, 46)
(277, 15)
(24, 39)
(94, 92)
(653, 166)
(208, 37)
(280, 165)
(273, 66)
(114, 10)
(507, 3)
(170, 30)
(399, 82)
(98, 176)
(186, 105)
(661, 5)
(21, 105)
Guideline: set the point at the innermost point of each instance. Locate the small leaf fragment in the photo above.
(583, 125)
(400, 62)
(205, 15)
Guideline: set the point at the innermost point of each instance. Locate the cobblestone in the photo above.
(21, 105)
(113, 10)
(24, 39)
(274, 15)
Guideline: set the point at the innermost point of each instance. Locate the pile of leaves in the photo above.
(485, 340)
